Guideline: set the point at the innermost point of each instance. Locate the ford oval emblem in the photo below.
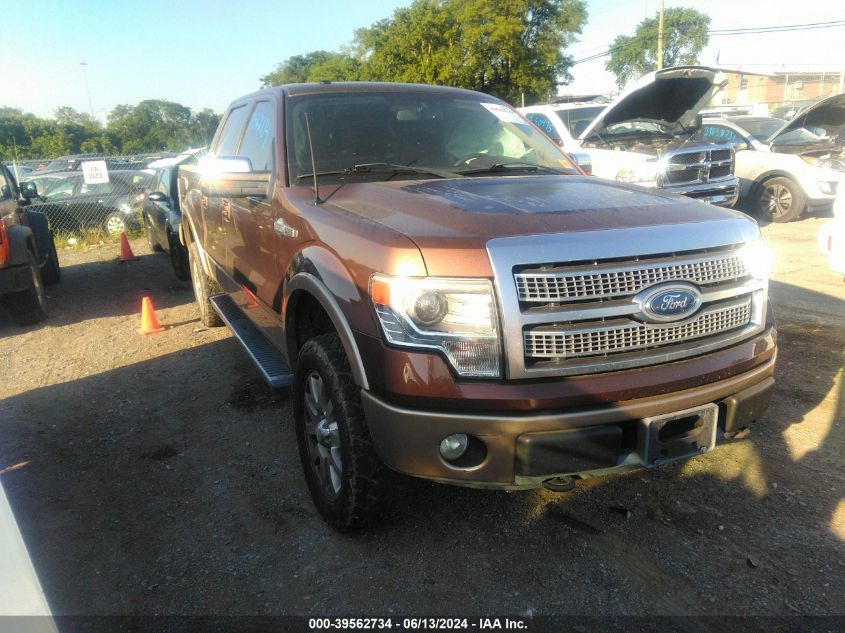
(669, 302)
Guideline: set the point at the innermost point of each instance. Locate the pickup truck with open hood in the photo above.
(786, 168)
(647, 135)
(446, 295)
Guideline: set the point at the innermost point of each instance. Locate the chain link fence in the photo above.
(94, 195)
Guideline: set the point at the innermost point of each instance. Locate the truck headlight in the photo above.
(454, 316)
(639, 174)
(758, 259)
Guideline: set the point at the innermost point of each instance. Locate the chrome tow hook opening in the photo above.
(560, 484)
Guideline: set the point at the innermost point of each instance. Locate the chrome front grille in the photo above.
(563, 342)
(577, 303)
(698, 166)
(603, 282)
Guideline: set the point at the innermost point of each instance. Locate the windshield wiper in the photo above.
(509, 167)
(373, 168)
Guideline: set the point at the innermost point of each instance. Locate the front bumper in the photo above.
(722, 193)
(588, 441)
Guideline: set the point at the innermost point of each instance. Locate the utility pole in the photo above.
(85, 77)
(660, 38)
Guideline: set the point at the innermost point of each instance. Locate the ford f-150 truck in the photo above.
(449, 297)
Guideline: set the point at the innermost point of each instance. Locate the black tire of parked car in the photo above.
(351, 498)
(50, 272)
(155, 247)
(779, 199)
(178, 257)
(29, 306)
(204, 288)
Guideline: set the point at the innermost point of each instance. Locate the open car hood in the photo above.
(671, 96)
(828, 114)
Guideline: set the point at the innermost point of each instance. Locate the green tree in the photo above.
(685, 36)
(509, 48)
(313, 66)
(151, 125)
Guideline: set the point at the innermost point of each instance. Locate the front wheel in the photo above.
(779, 200)
(155, 247)
(343, 472)
(178, 257)
(51, 273)
(115, 223)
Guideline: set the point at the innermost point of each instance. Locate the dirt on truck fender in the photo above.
(446, 295)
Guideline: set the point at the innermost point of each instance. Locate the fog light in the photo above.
(454, 446)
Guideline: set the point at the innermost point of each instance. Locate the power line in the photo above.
(724, 32)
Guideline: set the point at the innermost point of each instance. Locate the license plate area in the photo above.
(665, 438)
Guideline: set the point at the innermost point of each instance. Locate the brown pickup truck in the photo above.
(449, 296)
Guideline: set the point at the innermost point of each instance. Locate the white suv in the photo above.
(786, 168)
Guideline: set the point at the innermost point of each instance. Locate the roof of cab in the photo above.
(295, 90)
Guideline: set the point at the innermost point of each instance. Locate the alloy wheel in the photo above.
(322, 436)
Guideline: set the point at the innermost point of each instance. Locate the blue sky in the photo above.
(204, 54)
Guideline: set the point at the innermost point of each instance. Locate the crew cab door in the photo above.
(218, 210)
(251, 240)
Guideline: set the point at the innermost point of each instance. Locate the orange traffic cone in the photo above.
(149, 322)
(126, 254)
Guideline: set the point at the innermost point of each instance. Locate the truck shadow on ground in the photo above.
(162, 487)
(108, 288)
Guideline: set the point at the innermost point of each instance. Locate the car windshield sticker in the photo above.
(95, 172)
(504, 113)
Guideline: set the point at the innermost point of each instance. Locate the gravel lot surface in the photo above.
(158, 475)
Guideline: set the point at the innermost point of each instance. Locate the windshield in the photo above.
(443, 132)
(760, 129)
(577, 119)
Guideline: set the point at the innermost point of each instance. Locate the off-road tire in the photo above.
(204, 288)
(779, 200)
(29, 306)
(50, 272)
(155, 247)
(364, 478)
(178, 257)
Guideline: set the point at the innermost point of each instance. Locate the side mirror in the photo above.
(156, 196)
(232, 177)
(738, 145)
(29, 191)
(584, 161)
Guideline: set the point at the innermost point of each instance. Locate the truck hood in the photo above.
(451, 221)
(828, 114)
(673, 96)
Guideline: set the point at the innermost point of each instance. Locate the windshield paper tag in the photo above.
(504, 113)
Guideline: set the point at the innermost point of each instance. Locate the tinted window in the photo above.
(163, 185)
(544, 123)
(259, 137)
(62, 189)
(231, 134)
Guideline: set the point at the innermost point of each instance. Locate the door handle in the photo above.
(283, 229)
